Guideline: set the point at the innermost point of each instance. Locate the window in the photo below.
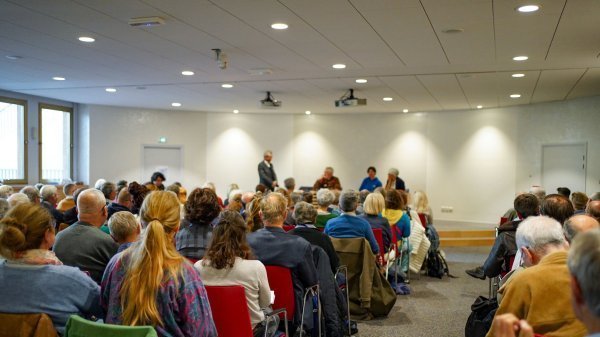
(13, 139)
(56, 143)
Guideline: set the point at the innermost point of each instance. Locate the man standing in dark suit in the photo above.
(266, 172)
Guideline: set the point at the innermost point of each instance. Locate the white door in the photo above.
(165, 159)
(563, 165)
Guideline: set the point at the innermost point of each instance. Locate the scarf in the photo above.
(37, 257)
(393, 215)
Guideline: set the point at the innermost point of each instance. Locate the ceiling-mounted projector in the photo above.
(270, 102)
(146, 21)
(349, 100)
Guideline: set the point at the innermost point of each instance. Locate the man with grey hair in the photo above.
(295, 197)
(305, 215)
(584, 267)
(83, 244)
(579, 224)
(539, 294)
(325, 198)
(49, 199)
(18, 198)
(290, 185)
(32, 193)
(348, 225)
(266, 171)
(328, 180)
(109, 189)
(124, 229)
(273, 246)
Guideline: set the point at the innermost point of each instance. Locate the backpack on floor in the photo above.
(481, 317)
(436, 265)
(433, 237)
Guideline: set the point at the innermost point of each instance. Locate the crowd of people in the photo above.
(141, 254)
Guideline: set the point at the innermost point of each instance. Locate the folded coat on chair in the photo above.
(370, 293)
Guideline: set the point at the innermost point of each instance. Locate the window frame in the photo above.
(23, 103)
(42, 106)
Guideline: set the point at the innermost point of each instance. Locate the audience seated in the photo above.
(32, 193)
(593, 209)
(539, 293)
(196, 228)
(290, 185)
(33, 279)
(579, 224)
(109, 189)
(373, 206)
(362, 196)
(421, 206)
(579, 201)
(83, 244)
(138, 194)
(348, 225)
(124, 229)
(157, 179)
(18, 198)
(305, 215)
(325, 198)
(253, 219)
(68, 201)
(151, 284)
(4, 206)
(273, 246)
(395, 213)
(558, 207)
(505, 245)
(584, 268)
(229, 261)
(48, 201)
(328, 180)
(371, 182)
(122, 204)
(295, 197)
(564, 191)
(70, 215)
(6, 191)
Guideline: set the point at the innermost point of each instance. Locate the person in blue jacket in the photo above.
(371, 182)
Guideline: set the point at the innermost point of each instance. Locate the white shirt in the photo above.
(267, 163)
(251, 274)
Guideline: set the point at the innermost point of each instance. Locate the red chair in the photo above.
(503, 220)
(288, 228)
(280, 281)
(378, 233)
(423, 219)
(193, 261)
(227, 303)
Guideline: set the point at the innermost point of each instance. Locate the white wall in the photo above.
(473, 161)
(116, 137)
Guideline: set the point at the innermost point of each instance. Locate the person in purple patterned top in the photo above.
(151, 284)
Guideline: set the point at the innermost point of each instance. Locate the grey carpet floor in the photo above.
(435, 307)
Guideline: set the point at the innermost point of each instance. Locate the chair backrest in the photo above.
(378, 233)
(503, 220)
(508, 262)
(280, 281)
(230, 310)
(423, 219)
(192, 260)
(26, 325)
(80, 327)
(288, 228)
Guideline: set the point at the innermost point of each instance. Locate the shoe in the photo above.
(476, 273)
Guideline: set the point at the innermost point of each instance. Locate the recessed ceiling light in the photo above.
(479, 106)
(187, 73)
(388, 99)
(528, 8)
(520, 58)
(227, 85)
(518, 75)
(515, 96)
(279, 26)
(307, 112)
(361, 80)
(58, 78)
(339, 66)
(405, 110)
(86, 39)
(453, 30)
(14, 57)
(110, 90)
(176, 104)
(236, 111)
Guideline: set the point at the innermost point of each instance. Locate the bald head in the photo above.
(579, 224)
(91, 206)
(593, 209)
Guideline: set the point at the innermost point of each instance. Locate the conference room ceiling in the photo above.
(400, 46)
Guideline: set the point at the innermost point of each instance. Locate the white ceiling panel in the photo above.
(588, 85)
(446, 90)
(554, 85)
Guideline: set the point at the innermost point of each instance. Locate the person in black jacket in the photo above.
(123, 203)
(505, 245)
(266, 172)
(305, 215)
(273, 246)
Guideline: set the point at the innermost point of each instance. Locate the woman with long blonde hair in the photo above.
(151, 283)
